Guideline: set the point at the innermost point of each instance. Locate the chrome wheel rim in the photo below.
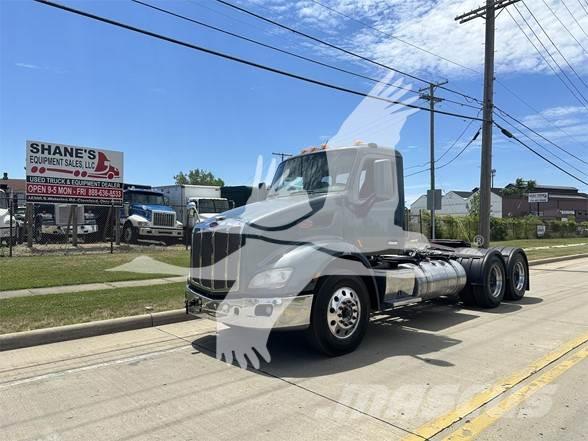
(127, 234)
(495, 281)
(519, 276)
(344, 313)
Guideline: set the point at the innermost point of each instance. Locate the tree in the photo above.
(520, 187)
(474, 205)
(198, 177)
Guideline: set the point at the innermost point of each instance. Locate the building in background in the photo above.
(457, 203)
(564, 202)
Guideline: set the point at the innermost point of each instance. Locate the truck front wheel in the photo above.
(130, 233)
(340, 315)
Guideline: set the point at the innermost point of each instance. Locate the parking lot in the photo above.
(425, 372)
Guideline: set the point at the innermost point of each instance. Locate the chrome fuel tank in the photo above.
(427, 280)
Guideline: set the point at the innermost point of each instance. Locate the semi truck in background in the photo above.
(195, 203)
(147, 214)
(6, 219)
(327, 248)
(54, 222)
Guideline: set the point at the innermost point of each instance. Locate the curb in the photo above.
(557, 259)
(82, 330)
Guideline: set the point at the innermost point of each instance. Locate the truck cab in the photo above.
(327, 247)
(147, 215)
(53, 222)
(6, 219)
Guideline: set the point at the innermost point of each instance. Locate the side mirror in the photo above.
(126, 206)
(384, 179)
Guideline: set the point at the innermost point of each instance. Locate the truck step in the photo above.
(401, 301)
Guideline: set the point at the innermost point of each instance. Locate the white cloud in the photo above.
(571, 124)
(27, 66)
(430, 24)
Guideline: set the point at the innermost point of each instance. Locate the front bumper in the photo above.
(258, 313)
(62, 230)
(161, 232)
(5, 231)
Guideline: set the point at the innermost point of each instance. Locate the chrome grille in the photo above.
(164, 219)
(216, 258)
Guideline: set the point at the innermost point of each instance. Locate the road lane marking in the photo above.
(442, 422)
(473, 428)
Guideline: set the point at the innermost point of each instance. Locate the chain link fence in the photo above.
(511, 228)
(37, 228)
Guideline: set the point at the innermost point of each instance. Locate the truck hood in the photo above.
(152, 207)
(277, 212)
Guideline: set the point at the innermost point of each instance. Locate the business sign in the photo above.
(68, 174)
(538, 197)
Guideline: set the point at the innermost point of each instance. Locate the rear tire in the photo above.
(491, 292)
(340, 315)
(517, 277)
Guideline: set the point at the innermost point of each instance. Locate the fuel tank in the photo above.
(426, 280)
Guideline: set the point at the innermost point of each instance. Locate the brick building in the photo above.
(563, 203)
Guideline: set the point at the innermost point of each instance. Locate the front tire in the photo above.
(130, 233)
(340, 315)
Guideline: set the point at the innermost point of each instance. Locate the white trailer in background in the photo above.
(207, 199)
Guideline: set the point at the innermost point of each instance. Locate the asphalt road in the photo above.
(430, 371)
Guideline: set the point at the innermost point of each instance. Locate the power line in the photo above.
(541, 54)
(574, 17)
(387, 34)
(511, 136)
(451, 160)
(339, 48)
(554, 45)
(517, 96)
(542, 147)
(583, 7)
(242, 60)
(565, 27)
(448, 149)
(283, 51)
(539, 134)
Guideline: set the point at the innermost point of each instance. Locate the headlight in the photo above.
(271, 279)
(142, 223)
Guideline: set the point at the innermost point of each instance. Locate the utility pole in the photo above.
(488, 13)
(282, 156)
(430, 97)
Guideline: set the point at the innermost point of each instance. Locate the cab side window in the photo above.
(366, 179)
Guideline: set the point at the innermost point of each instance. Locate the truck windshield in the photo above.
(213, 205)
(145, 198)
(320, 172)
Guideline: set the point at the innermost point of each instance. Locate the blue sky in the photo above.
(67, 79)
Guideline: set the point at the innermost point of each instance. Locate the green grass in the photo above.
(52, 270)
(535, 254)
(26, 313)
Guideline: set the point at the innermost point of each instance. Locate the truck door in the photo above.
(373, 220)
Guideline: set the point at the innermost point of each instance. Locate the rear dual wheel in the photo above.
(518, 277)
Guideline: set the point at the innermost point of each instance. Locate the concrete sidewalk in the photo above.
(89, 287)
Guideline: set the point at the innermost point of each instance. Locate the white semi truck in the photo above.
(5, 220)
(327, 248)
(206, 200)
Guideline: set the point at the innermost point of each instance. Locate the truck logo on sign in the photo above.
(58, 173)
